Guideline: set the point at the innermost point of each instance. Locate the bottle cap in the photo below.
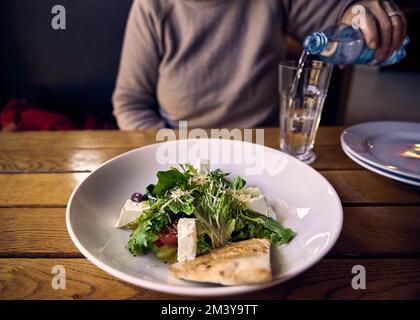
(315, 43)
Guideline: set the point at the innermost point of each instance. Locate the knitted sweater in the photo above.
(211, 62)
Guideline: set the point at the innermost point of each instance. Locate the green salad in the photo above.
(224, 210)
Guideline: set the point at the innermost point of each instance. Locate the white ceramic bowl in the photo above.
(302, 198)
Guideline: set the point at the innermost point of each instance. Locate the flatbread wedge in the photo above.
(244, 262)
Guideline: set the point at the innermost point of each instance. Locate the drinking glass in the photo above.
(302, 94)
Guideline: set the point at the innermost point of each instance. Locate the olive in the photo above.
(137, 197)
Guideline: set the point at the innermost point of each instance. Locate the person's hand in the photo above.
(384, 26)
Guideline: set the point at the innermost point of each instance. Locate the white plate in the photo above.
(379, 170)
(390, 146)
(302, 198)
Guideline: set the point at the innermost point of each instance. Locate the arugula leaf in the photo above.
(264, 227)
(150, 190)
(169, 179)
(142, 239)
(187, 206)
(188, 168)
(203, 244)
(159, 220)
(220, 176)
(238, 183)
(249, 230)
(149, 224)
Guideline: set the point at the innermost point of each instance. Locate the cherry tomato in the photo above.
(169, 238)
(158, 243)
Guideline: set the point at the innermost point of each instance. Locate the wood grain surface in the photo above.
(329, 279)
(127, 139)
(329, 157)
(36, 189)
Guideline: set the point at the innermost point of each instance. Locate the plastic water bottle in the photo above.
(343, 44)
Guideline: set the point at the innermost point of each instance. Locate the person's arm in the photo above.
(134, 98)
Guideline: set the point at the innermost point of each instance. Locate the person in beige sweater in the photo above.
(215, 63)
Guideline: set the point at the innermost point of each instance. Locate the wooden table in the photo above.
(39, 170)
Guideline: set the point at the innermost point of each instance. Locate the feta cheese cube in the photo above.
(271, 213)
(259, 205)
(187, 239)
(130, 212)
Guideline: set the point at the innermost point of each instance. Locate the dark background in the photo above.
(70, 70)
(73, 71)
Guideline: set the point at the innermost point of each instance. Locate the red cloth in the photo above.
(19, 114)
(93, 123)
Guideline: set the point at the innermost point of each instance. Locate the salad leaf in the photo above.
(188, 168)
(220, 176)
(261, 226)
(238, 183)
(203, 244)
(186, 207)
(180, 201)
(168, 180)
(150, 191)
(159, 220)
(142, 239)
(149, 225)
